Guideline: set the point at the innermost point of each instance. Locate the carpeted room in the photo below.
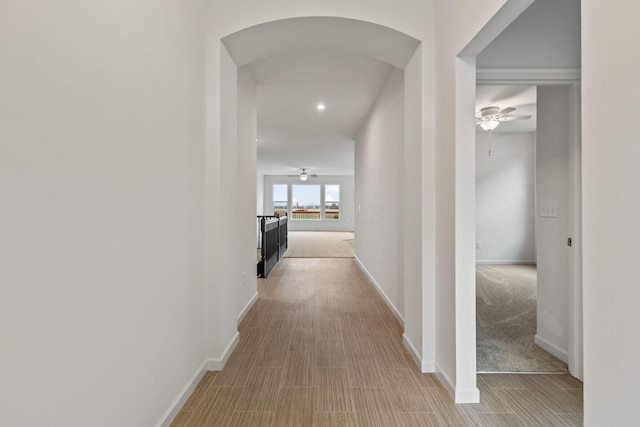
(506, 321)
(522, 274)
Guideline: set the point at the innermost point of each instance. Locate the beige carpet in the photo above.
(320, 244)
(506, 321)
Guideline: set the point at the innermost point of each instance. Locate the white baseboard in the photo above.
(471, 395)
(384, 296)
(247, 307)
(445, 381)
(506, 262)
(426, 366)
(208, 365)
(182, 397)
(218, 364)
(547, 346)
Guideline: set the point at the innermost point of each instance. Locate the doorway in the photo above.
(347, 37)
(522, 204)
(552, 65)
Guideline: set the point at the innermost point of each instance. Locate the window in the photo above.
(280, 199)
(332, 202)
(305, 202)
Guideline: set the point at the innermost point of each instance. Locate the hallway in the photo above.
(321, 348)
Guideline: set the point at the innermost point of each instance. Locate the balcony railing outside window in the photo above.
(306, 202)
(305, 214)
(332, 201)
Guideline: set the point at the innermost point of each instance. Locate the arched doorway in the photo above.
(232, 153)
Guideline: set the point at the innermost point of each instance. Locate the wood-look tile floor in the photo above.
(321, 348)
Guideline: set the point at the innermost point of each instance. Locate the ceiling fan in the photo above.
(304, 175)
(490, 117)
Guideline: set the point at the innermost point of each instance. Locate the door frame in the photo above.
(560, 77)
(466, 77)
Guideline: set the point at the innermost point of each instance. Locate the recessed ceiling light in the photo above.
(320, 107)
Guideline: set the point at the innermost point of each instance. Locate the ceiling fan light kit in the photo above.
(489, 125)
(303, 176)
(490, 117)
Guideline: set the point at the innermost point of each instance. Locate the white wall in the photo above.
(611, 208)
(552, 186)
(505, 198)
(458, 22)
(260, 193)
(101, 182)
(418, 217)
(246, 203)
(346, 221)
(379, 177)
(225, 274)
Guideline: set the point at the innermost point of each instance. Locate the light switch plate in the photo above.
(549, 209)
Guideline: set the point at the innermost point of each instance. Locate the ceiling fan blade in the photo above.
(511, 118)
(507, 111)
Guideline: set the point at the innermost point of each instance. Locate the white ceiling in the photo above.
(297, 35)
(292, 133)
(523, 98)
(298, 63)
(546, 35)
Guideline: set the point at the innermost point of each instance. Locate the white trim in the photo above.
(551, 348)
(426, 366)
(384, 296)
(575, 223)
(247, 307)
(177, 404)
(445, 380)
(548, 76)
(525, 372)
(569, 77)
(506, 262)
(470, 395)
(465, 233)
(218, 364)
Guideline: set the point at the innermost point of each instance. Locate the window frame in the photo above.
(322, 209)
(325, 202)
(286, 202)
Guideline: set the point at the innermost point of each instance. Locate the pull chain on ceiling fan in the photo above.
(490, 117)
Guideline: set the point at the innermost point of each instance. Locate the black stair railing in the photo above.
(272, 242)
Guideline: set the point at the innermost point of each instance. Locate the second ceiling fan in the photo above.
(490, 117)
(304, 175)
